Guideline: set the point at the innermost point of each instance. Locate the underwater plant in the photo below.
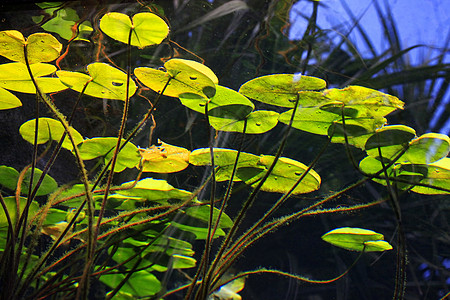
(127, 227)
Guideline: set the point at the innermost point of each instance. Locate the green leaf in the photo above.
(147, 28)
(224, 160)
(62, 21)
(374, 101)
(391, 139)
(357, 239)
(105, 82)
(15, 77)
(310, 119)
(202, 213)
(47, 186)
(186, 77)
(200, 233)
(358, 130)
(140, 284)
(128, 157)
(226, 103)
(155, 190)
(41, 47)
(48, 130)
(284, 175)
(8, 100)
(9, 177)
(435, 174)
(11, 207)
(428, 148)
(258, 122)
(280, 89)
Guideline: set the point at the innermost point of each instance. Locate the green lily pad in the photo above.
(9, 177)
(62, 21)
(11, 207)
(370, 102)
(390, 139)
(358, 130)
(165, 158)
(8, 100)
(310, 119)
(48, 130)
(284, 175)
(128, 157)
(15, 77)
(226, 103)
(281, 89)
(357, 239)
(428, 148)
(202, 213)
(146, 28)
(155, 190)
(186, 77)
(224, 160)
(41, 47)
(435, 174)
(258, 122)
(105, 82)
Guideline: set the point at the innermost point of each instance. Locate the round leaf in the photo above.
(390, 139)
(155, 190)
(48, 130)
(15, 77)
(164, 158)
(11, 207)
(8, 100)
(280, 89)
(104, 147)
(186, 77)
(105, 82)
(147, 28)
(258, 122)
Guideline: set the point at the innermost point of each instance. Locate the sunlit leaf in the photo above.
(229, 291)
(224, 160)
(357, 239)
(104, 147)
(436, 174)
(146, 28)
(280, 89)
(428, 148)
(105, 81)
(8, 100)
(15, 77)
(11, 207)
(41, 47)
(155, 190)
(165, 158)
(258, 122)
(186, 77)
(48, 130)
(357, 130)
(390, 139)
(9, 177)
(284, 175)
(310, 119)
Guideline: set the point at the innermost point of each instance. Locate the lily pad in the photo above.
(146, 28)
(185, 77)
(41, 47)
(224, 160)
(141, 283)
(280, 89)
(128, 157)
(390, 139)
(155, 190)
(258, 122)
(11, 207)
(284, 175)
(15, 77)
(8, 100)
(165, 158)
(357, 239)
(9, 177)
(105, 81)
(48, 130)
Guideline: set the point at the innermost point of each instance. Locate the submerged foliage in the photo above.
(125, 225)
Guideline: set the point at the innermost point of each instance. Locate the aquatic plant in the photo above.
(125, 230)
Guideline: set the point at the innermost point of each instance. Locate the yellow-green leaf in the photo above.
(165, 158)
(357, 239)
